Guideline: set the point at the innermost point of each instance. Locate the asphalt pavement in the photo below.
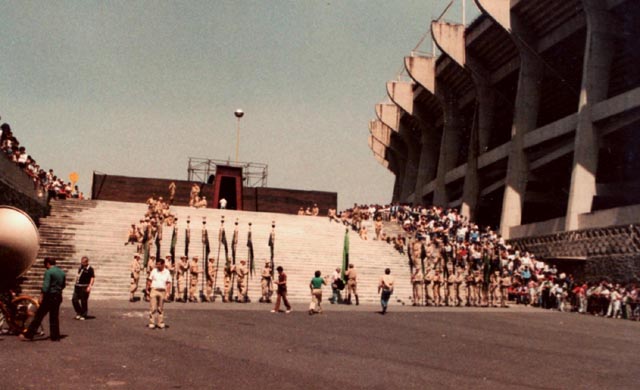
(245, 346)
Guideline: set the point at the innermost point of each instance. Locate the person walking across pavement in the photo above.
(84, 283)
(385, 289)
(281, 291)
(159, 286)
(50, 299)
(316, 293)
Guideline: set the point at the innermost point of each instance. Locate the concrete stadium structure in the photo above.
(527, 115)
(529, 120)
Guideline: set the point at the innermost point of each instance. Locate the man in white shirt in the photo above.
(159, 284)
(223, 203)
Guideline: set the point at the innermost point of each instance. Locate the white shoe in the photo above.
(152, 326)
(288, 311)
(273, 311)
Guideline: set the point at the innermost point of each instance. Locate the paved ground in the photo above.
(245, 346)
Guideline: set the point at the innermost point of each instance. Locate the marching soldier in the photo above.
(428, 278)
(211, 277)
(352, 284)
(181, 278)
(194, 271)
(265, 283)
(242, 275)
(136, 268)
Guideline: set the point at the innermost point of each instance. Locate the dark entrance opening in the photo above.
(228, 192)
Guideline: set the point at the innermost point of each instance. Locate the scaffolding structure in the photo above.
(253, 174)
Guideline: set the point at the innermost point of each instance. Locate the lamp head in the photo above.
(239, 113)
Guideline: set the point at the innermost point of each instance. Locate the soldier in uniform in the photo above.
(494, 288)
(457, 282)
(181, 276)
(505, 284)
(352, 284)
(211, 277)
(151, 265)
(242, 276)
(479, 287)
(172, 192)
(378, 227)
(428, 277)
(447, 283)
(194, 271)
(265, 283)
(417, 281)
(436, 280)
(136, 268)
(470, 287)
(172, 271)
(226, 297)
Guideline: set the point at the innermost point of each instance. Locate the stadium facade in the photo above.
(528, 120)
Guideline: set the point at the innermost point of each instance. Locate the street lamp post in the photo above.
(239, 114)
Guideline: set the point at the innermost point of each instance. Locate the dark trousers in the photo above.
(80, 300)
(51, 305)
(282, 295)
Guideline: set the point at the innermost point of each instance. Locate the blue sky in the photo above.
(136, 87)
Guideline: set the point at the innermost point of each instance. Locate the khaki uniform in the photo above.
(505, 283)
(265, 284)
(194, 271)
(242, 276)
(136, 268)
(436, 281)
(181, 279)
(352, 284)
(417, 280)
(151, 265)
(211, 277)
(226, 297)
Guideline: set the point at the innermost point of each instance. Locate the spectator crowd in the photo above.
(454, 261)
(45, 182)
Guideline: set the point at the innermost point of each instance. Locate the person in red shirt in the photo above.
(282, 291)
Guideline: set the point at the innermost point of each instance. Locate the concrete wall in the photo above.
(17, 190)
(138, 190)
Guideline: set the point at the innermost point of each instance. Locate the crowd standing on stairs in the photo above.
(455, 262)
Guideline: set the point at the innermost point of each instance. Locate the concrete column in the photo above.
(423, 71)
(525, 119)
(411, 169)
(478, 143)
(427, 167)
(449, 145)
(595, 82)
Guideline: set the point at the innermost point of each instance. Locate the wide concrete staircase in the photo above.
(303, 244)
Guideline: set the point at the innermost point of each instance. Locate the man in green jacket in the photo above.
(50, 300)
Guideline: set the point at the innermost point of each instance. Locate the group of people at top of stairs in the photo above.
(313, 211)
(45, 182)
